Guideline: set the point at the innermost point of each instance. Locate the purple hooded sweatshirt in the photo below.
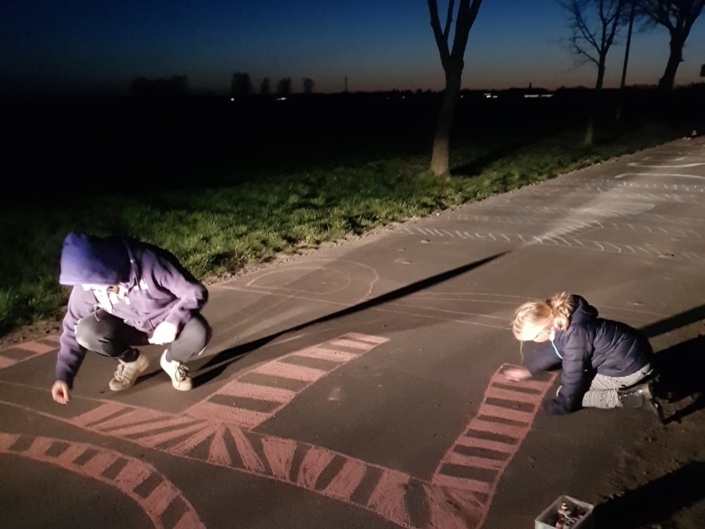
(157, 287)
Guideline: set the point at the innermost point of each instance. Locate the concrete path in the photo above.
(360, 386)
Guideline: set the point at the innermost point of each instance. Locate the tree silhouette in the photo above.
(264, 88)
(594, 24)
(241, 85)
(308, 85)
(632, 15)
(453, 63)
(284, 86)
(678, 17)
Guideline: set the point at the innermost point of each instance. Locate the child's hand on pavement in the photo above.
(60, 392)
(516, 374)
(164, 333)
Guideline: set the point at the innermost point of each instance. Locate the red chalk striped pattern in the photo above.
(345, 482)
(449, 501)
(232, 447)
(453, 508)
(388, 497)
(97, 460)
(47, 344)
(457, 497)
(336, 352)
(479, 457)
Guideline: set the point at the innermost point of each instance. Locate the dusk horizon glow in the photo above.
(88, 48)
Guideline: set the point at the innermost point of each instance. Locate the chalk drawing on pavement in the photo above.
(561, 239)
(608, 210)
(590, 225)
(26, 350)
(610, 185)
(613, 192)
(478, 458)
(675, 166)
(248, 400)
(128, 474)
(662, 175)
(216, 439)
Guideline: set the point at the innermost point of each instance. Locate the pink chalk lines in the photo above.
(27, 350)
(273, 385)
(130, 474)
(219, 431)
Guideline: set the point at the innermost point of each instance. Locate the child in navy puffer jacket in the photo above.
(605, 363)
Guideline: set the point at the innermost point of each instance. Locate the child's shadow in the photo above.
(681, 371)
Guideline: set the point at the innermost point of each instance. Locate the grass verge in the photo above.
(219, 230)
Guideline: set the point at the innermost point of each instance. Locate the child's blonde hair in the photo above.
(537, 315)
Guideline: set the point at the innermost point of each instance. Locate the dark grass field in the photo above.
(224, 184)
(112, 145)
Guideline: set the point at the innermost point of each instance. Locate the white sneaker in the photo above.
(178, 372)
(127, 373)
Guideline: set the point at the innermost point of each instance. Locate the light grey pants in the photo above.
(603, 390)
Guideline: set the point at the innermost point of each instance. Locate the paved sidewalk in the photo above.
(360, 385)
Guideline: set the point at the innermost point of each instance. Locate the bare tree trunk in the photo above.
(623, 82)
(590, 133)
(453, 63)
(440, 159)
(669, 76)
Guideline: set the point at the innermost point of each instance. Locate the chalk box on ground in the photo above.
(548, 518)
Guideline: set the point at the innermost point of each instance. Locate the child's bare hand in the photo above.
(60, 392)
(516, 374)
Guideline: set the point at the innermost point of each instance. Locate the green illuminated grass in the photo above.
(219, 230)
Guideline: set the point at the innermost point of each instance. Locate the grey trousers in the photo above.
(603, 390)
(108, 335)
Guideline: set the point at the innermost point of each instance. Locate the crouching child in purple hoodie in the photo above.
(125, 294)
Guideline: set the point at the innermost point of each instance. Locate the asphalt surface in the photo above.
(359, 386)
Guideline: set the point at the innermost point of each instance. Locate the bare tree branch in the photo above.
(678, 16)
(441, 41)
(674, 15)
(614, 21)
(449, 19)
(594, 24)
(467, 13)
(581, 34)
(585, 41)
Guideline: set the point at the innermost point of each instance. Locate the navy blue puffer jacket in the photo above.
(588, 346)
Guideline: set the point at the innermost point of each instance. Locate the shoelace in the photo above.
(181, 373)
(120, 373)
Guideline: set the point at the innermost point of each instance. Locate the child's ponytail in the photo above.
(561, 307)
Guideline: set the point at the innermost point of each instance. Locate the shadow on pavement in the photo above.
(216, 365)
(654, 502)
(674, 322)
(682, 375)
(681, 367)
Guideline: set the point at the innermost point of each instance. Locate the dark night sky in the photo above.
(97, 46)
